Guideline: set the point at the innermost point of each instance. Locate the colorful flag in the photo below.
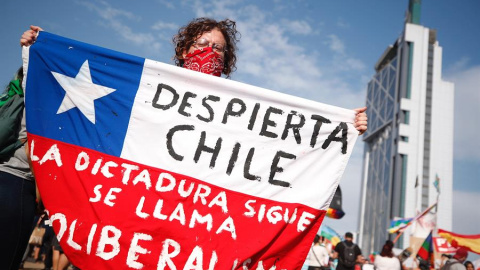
(401, 227)
(145, 165)
(398, 223)
(335, 210)
(330, 234)
(426, 248)
(470, 242)
(436, 183)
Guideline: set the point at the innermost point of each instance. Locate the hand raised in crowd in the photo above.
(361, 120)
(30, 36)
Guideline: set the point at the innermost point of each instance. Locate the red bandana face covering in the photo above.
(205, 61)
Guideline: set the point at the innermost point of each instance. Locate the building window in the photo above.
(404, 138)
(403, 177)
(406, 117)
(410, 70)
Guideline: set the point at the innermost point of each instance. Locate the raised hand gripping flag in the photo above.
(143, 165)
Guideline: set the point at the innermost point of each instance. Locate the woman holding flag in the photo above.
(207, 46)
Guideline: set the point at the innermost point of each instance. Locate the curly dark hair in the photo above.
(188, 34)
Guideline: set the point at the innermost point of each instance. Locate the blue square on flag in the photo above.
(90, 95)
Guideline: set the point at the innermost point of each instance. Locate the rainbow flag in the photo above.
(427, 248)
(335, 210)
(334, 213)
(470, 242)
(403, 226)
(331, 235)
(398, 223)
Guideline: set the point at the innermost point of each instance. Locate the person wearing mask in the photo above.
(208, 46)
(386, 260)
(347, 253)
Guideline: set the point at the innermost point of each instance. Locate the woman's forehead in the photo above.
(213, 35)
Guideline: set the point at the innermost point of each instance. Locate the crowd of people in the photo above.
(347, 255)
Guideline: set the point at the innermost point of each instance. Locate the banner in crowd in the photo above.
(470, 242)
(442, 246)
(143, 165)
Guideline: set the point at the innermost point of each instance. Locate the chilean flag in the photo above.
(143, 165)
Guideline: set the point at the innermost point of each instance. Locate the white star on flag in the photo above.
(81, 92)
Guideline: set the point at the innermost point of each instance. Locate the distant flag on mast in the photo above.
(427, 248)
(436, 183)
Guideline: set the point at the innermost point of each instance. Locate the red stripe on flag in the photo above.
(111, 213)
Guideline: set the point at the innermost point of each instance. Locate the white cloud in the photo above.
(335, 44)
(113, 18)
(467, 110)
(269, 57)
(297, 27)
(163, 25)
(341, 23)
(166, 4)
(459, 66)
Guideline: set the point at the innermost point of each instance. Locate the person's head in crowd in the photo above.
(469, 265)
(208, 46)
(349, 236)
(361, 259)
(317, 239)
(18, 76)
(406, 253)
(461, 254)
(387, 249)
(446, 256)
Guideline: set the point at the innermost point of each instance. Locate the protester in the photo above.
(405, 259)
(207, 46)
(59, 259)
(17, 195)
(456, 262)
(443, 259)
(318, 258)
(363, 264)
(423, 264)
(386, 260)
(347, 253)
(469, 265)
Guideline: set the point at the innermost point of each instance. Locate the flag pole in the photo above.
(398, 236)
(413, 220)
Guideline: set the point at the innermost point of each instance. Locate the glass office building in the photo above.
(409, 142)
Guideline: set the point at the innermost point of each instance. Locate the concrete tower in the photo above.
(409, 141)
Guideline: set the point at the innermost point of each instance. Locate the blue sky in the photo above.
(320, 50)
